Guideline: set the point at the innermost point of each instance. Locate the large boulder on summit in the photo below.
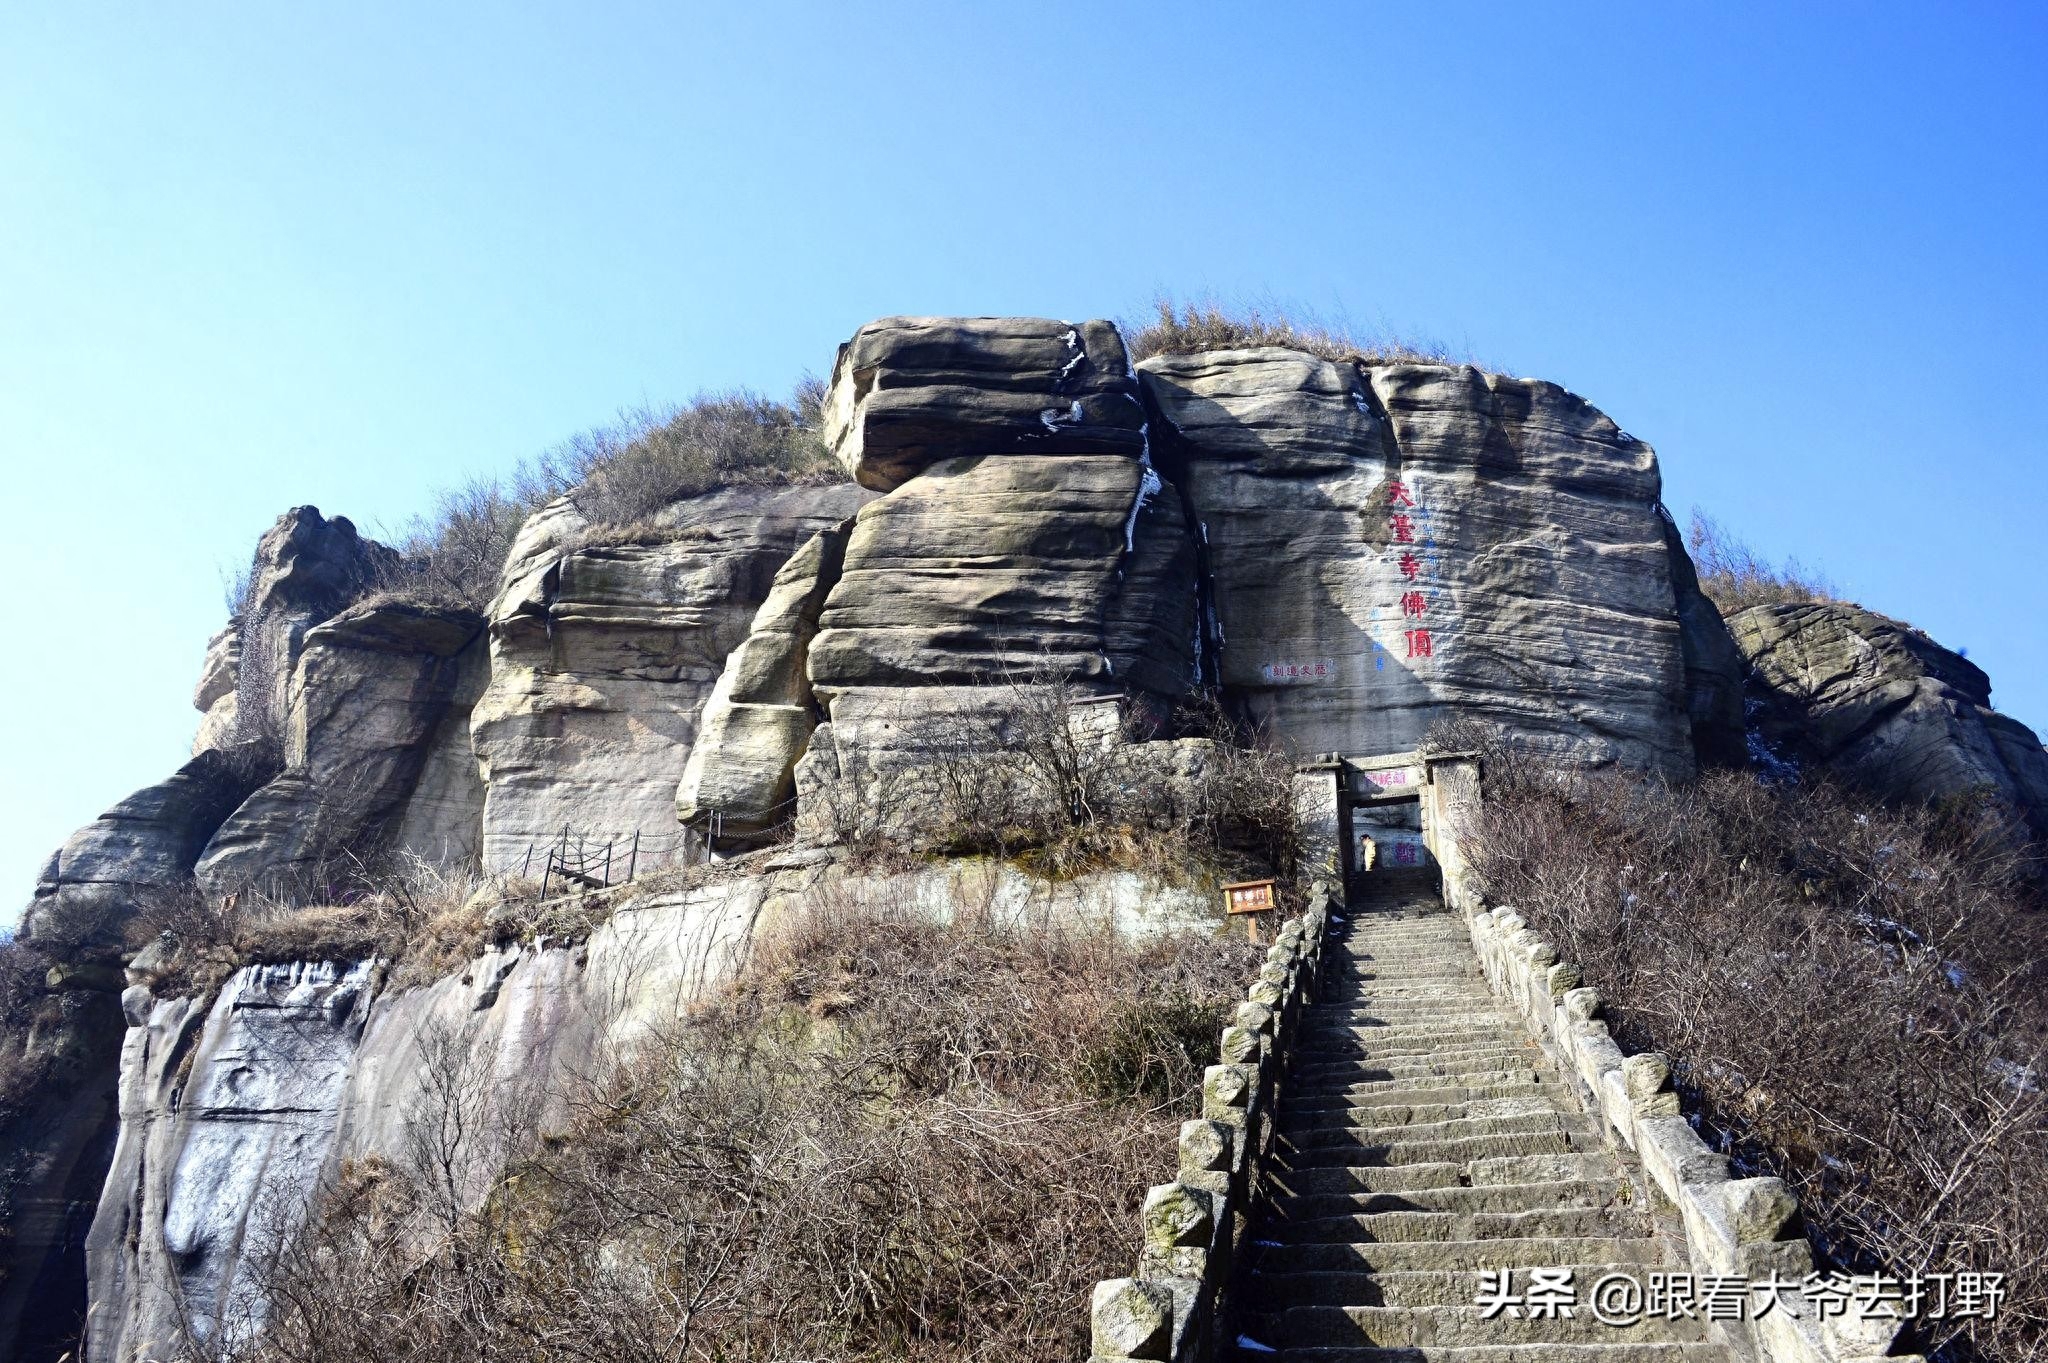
(908, 392)
(988, 566)
(1878, 702)
(372, 686)
(759, 717)
(1392, 543)
(602, 656)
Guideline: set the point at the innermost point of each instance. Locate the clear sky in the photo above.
(259, 255)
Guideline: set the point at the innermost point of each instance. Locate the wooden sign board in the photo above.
(1249, 896)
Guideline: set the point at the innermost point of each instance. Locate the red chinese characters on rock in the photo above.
(1418, 638)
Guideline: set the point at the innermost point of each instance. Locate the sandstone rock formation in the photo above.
(1714, 666)
(1880, 703)
(234, 1115)
(144, 845)
(602, 656)
(372, 686)
(908, 392)
(759, 717)
(1347, 551)
(306, 568)
(1386, 545)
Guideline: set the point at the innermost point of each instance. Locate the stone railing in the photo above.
(1172, 1309)
(1742, 1227)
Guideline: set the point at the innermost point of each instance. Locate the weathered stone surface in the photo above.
(214, 697)
(307, 567)
(146, 843)
(759, 717)
(1528, 547)
(441, 822)
(224, 1159)
(372, 686)
(910, 391)
(57, 1134)
(983, 567)
(1879, 703)
(602, 657)
(1714, 667)
(297, 1068)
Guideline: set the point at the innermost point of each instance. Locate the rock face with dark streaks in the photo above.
(1392, 544)
(908, 392)
(371, 688)
(602, 656)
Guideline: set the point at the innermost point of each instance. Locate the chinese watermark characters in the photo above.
(1622, 1299)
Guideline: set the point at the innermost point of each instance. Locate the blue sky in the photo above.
(255, 256)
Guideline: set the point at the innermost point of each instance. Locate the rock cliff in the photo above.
(1343, 551)
(1881, 704)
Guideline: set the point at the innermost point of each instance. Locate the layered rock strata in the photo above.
(373, 685)
(908, 392)
(602, 656)
(1881, 704)
(759, 717)
(1392, 544)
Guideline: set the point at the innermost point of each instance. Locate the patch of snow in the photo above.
(1148, 488)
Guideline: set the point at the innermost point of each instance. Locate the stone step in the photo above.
(1356, 1155)
(1399, 1327)
(1367, 1035)
(1305, 1065)
(1284, 1207)
(1332, 1128)
(1367, 1040)
(1400, 1178)
(1419, 1114)
(1386, 1228)
(1404, 1288)
(1340, 1072)
(1492, 1353)
(1464, 1256)
(1419, 1047)
(1452, 1088)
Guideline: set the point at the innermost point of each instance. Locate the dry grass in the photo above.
(1028, 768)
(1853, 996)
(1733, 576)
(622, 475)
(424, 919)
(1192, 328)
(890, 1140)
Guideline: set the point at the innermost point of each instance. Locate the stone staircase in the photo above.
(1424, 1136)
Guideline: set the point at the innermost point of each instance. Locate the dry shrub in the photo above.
(1852, 996)
(889, 1140)
(424, 918)
(1187, 329)
(1733, 576)
(623, 474)
(1033, 770)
